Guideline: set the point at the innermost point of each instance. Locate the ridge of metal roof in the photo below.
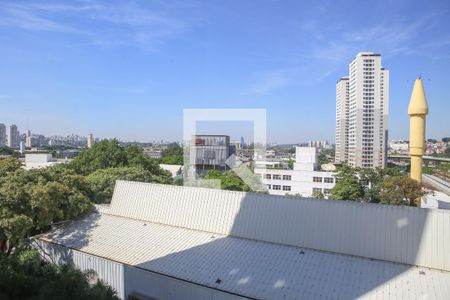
(245, 267)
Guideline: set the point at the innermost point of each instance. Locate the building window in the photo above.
(317, 190)
(317, 179)
(276, 187)
(269, 186)
(268, 176)
(276, 177)
(328, 179)
(327, 191)
(286, 187)
(287, 177)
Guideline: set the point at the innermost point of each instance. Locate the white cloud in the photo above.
(269, 81)
(100, 23)
(397, 37)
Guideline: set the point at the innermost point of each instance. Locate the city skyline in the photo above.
(83, 67)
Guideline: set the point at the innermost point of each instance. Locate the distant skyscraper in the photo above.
(2, 135)
(90, 140)
(362, 116)
(13, 136)
(342, 113)
(28, 141)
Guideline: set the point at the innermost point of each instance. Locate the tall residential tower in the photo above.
(362, 116)
(12, 136)
(342, 96)
(2, 135)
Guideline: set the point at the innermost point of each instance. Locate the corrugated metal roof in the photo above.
(394, 233)
(247, 267)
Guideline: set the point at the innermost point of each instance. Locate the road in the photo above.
(437, 182)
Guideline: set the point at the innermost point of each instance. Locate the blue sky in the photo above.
(127, 69)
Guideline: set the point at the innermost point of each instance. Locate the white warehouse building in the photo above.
(172, 242)
(303, 179)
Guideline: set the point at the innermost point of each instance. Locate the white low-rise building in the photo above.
(401, 147)
(303, 179)
(41, 160)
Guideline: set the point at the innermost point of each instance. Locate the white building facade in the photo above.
(399, 147)
(302, 180)
(365, 127)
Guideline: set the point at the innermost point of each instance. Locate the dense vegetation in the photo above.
(4, 150)
(228, 180)
(24, 275)
(31, 201)
(110, 154)
(102, 181)
(387, 186)
(172, 155)
(325, 156)
(108, 161)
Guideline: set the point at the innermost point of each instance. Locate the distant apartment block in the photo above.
(2, 135)
(12, 136)
(399, 147)
(28, 141)
(319, 144)
(362, 110)
(304, 179)
(210, 152)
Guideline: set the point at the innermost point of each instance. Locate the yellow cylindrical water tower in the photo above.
(417, 111)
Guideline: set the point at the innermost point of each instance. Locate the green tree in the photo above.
(110, 154)
(102, 155)
(102, 182)
(172, 155)
(9, 165)
(401, 190)
(228, 180)
(30, 201)
(290, 164)
(24, 275)
(370, 181)
(172, 149)
(172, 160)
(6, 150)
(348, 186)
(325, 156)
